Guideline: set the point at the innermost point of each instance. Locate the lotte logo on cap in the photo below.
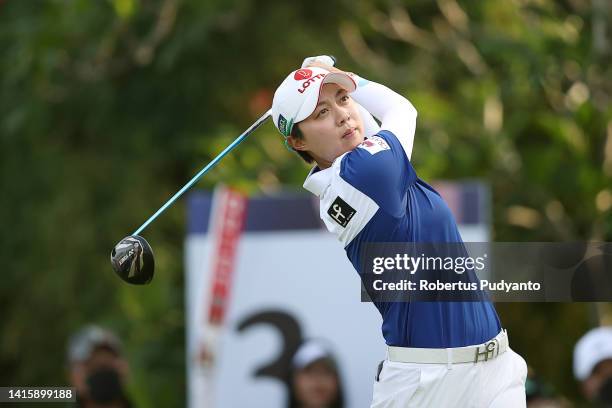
(302, 74)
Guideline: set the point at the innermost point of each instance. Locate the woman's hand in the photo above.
(322, 61)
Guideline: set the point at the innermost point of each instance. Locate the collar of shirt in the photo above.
(317, 180)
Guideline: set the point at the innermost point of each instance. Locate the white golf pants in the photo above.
(495, 383)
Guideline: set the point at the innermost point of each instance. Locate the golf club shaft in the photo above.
(209, 166)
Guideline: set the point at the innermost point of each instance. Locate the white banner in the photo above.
(288, 285)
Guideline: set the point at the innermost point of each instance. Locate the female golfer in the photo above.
(439, 354)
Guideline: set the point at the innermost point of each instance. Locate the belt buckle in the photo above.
(488, 350)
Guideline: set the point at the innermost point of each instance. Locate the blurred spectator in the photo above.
(314, 380)
(98, 370)
(593, 365)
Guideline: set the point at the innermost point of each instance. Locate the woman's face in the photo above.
(334, 128)
(316, 385)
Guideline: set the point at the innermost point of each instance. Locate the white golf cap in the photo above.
(82, 344)
(309, 352)
(297, 97)
(593, 348)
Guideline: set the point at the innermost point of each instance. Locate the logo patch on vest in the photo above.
(341, 212)
(374, 145)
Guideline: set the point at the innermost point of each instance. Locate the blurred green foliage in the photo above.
(107, 107)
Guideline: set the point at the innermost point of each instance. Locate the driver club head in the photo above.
(132, 259)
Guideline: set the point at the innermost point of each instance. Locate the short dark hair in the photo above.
(297, 133)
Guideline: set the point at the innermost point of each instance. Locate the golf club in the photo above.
(132, 258)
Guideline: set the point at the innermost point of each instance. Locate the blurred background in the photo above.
(108, 107)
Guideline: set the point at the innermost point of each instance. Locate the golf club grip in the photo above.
(209, 166)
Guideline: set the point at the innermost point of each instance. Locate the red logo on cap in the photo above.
(301, 74)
